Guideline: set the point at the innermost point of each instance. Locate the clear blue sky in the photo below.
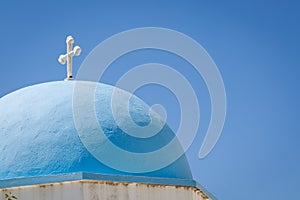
(255, 45)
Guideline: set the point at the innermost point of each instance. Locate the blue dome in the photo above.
(39, 136)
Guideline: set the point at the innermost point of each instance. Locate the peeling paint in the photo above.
(108, 190)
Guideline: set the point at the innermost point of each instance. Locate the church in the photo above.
(52, 148)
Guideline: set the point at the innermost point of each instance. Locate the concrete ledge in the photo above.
(8, 183)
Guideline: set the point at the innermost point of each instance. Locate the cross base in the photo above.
(69, 78)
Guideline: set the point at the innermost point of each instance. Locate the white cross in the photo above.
(68, 56)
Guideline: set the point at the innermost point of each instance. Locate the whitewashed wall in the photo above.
(103, 190)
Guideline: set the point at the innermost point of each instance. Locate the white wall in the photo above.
(104, 190)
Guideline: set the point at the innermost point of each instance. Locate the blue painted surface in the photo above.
(38, 136)
(91, 176)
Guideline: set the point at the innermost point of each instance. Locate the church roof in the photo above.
(39, 136)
